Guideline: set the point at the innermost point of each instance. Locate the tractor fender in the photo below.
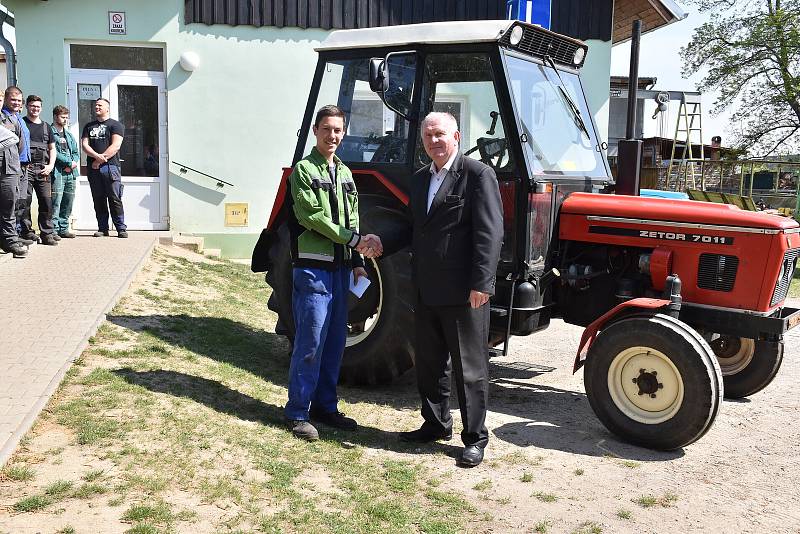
(624, 308)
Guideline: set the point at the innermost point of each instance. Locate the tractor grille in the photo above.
(540, 43)
(785, 276)
(717, 272)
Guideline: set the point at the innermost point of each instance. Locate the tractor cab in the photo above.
(515, 92)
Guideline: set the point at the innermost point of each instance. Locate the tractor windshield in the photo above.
(554, 137)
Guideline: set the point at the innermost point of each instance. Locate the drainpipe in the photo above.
(11, 57)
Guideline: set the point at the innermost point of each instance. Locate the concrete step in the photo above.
(189, 242)
(213, 253)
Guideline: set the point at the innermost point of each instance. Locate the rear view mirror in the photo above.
(378, 77)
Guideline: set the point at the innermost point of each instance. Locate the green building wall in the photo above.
(236, 117)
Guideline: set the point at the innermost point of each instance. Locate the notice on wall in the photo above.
(89, 91)
(236, 213)
(116, 23)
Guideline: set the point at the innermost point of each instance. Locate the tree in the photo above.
(750, 52)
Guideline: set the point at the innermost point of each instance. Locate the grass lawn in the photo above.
(794, 287)
(172, 421)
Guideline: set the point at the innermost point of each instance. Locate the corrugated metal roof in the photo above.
(583, 19)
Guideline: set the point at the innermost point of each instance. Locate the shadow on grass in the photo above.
(259, 352)
(225, 400)
(554, 418)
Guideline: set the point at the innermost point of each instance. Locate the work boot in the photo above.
(66, 235)
(31, 236)
(335, 420)
(101, 233)
(49, 239)
(122, 233)
(304, 430)
(56, 236)
(17, 250)
(26, 242)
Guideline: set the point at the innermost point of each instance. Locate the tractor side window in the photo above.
(375, 134)
(463, 85)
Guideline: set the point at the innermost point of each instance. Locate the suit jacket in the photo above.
(456, 244)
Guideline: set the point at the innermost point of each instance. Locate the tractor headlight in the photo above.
(516, 35)
(580, 53)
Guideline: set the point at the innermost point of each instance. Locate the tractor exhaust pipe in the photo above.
(629, 151)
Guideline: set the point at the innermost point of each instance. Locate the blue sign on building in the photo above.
(534, 11)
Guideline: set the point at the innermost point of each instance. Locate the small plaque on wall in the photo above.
(236, 213)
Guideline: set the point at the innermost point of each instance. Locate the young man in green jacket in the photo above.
(65, 172)
(325, 246)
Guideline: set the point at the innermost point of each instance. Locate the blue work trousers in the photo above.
(319, 303)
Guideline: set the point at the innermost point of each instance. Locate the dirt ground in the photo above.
(550, 466)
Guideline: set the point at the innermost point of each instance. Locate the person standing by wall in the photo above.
(10, 172)
(42, 160)
(12, 104)
(65, 172)
(101, 140)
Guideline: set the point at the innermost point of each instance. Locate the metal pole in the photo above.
(11, 57)
(633, 79)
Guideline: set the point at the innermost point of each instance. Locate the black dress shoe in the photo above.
(471, 456)
(423, 435)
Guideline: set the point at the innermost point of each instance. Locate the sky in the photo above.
(659, 57)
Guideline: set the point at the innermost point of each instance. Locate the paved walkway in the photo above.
(50, 304)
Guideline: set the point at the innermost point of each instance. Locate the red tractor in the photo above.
(681, 300)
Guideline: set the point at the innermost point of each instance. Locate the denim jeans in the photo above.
(63, 198)
(319, 303)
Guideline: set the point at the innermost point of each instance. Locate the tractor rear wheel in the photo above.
(653, 381)
(748, 365)
(381, 323)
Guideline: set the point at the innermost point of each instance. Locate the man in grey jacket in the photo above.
(10, 173)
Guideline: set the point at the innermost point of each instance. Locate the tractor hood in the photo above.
(661, 209)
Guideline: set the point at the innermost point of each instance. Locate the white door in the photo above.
(138, 101)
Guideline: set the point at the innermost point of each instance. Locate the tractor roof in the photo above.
(428, 33)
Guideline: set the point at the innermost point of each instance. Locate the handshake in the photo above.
(370, 246)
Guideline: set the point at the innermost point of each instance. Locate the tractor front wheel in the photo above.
(748, 365)
(653, 381)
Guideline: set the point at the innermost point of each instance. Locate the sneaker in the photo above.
(122, 233)
(304, 430)
(335, 420)
(17, 250)
(49, 239)
(66, 235)
(101, 233)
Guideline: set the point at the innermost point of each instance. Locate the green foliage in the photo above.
(750, 52)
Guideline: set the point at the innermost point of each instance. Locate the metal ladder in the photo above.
(689, 136)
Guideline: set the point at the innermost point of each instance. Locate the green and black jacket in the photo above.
(323, 221)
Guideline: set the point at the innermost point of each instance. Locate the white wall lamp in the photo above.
(189, 61)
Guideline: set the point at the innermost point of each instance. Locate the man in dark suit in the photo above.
(455, 232)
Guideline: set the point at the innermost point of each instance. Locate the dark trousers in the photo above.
(106, 186)
(453, 340)
(44, 191)
(9, 185)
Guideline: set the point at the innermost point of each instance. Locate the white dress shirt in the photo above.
(437, 177)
